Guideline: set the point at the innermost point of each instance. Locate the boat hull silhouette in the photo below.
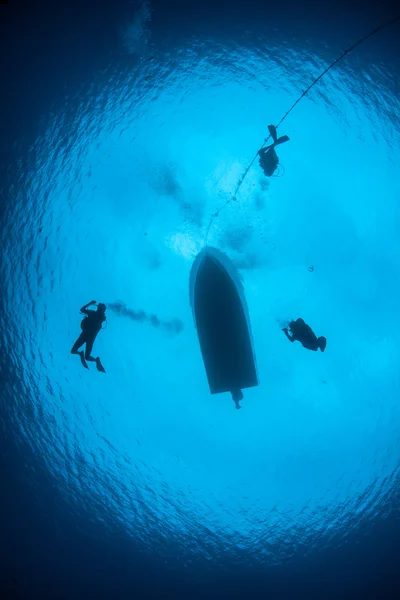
(222, 323)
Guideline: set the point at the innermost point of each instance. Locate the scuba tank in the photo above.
(84, 324)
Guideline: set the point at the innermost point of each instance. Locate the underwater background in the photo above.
(123, 129)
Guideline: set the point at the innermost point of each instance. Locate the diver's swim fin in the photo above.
(272, 132)
(83, 361)
(99, 365)
(282, 139)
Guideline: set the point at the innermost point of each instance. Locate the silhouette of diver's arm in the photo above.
(290, 338)
(84, 308)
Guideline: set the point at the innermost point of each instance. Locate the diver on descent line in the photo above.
(268, 157)
(303, 333)
(90, 325)
(237, 395)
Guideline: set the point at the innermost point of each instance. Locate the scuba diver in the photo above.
(303, 333)
(90, 325)
(268, 157)
(237, 395)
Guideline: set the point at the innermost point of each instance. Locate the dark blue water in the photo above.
(123, 130)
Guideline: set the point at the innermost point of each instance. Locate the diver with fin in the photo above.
(90, 325)
(237, 396)
(268, 157)
(303, 333)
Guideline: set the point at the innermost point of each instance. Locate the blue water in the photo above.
(111, 202)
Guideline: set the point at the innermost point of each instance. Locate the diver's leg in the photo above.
(83, 361)
(75, 349)
(79, 342)
(90, 358)
(89, 348)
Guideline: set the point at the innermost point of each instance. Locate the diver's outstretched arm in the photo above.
(286, 332)
(84, 308)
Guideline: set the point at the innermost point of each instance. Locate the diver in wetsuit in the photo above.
(90, 325)
(303, 333)
(268, 157)
(237, 395)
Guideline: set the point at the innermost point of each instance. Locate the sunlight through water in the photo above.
(115, 207)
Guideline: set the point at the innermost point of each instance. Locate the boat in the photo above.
(222, 321)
